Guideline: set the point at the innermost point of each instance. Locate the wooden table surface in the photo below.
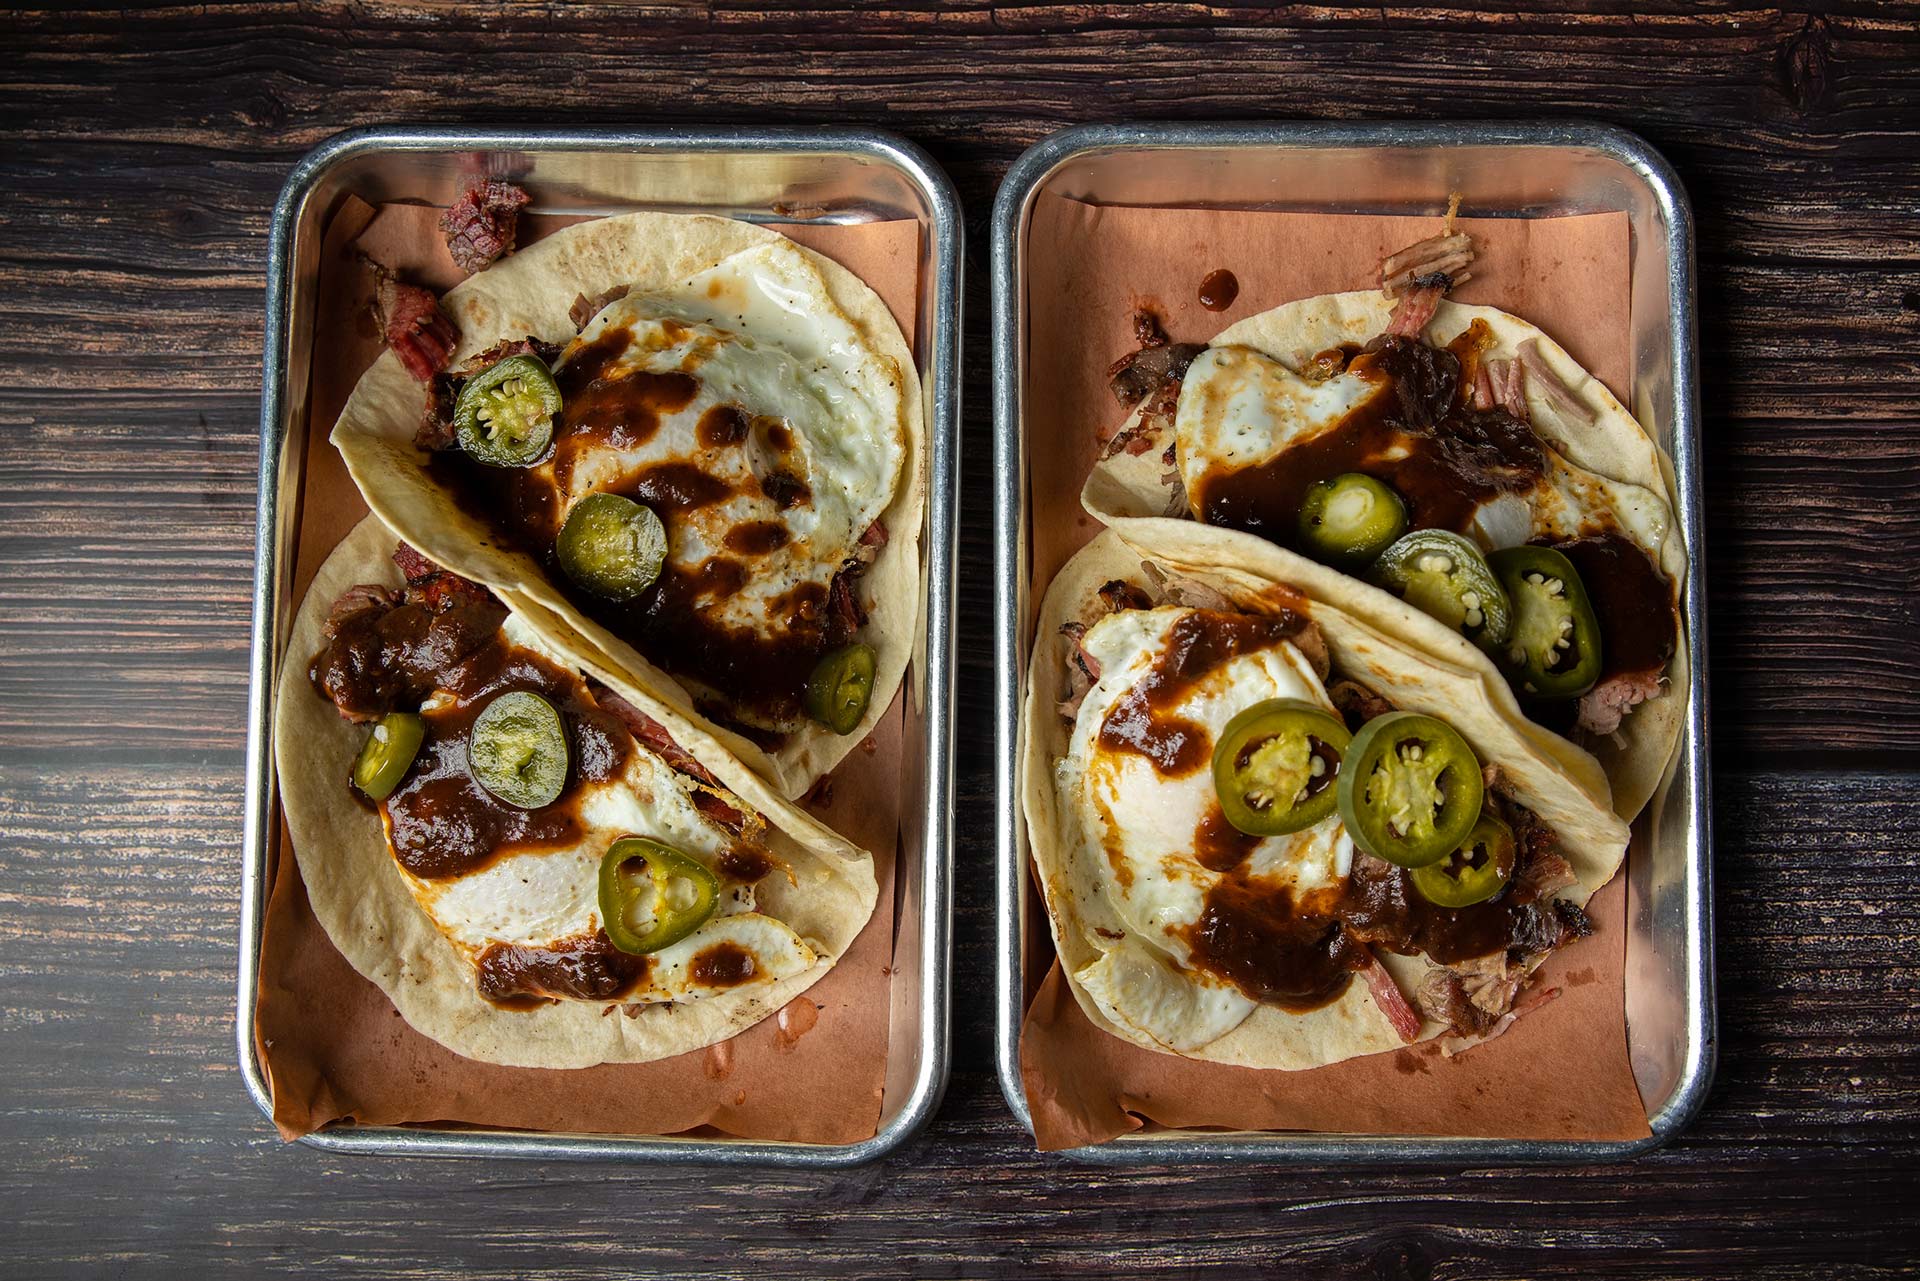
(139, 159)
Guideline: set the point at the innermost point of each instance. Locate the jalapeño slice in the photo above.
(1443, 575)
(1410, 789)
(1475, 872)
(612, 546)
(1350, 519)
(504, 416)
(643, 914)
(388, 753)
(517, 750)
(840, 686)
(1553, 652)
(1275, 765)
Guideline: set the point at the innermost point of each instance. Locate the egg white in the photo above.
(538, 898)
(759, 332)
(1132, 871)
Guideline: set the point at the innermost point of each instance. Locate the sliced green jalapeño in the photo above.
(1553, 652)
(504, 416)
(1475, 872)
(1350, 519)
(1409, 789)
(1443, 575)
(645, 913)
(612, 546)
(517, 750)
(1275, 765)
(388, 754)
(840, 687)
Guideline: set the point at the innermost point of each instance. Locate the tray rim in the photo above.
(946, 229)
(1011, 591)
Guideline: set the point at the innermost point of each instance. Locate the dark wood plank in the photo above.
(129, 1137)
(1804, 187)
(141, 152)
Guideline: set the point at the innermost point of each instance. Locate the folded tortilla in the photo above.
(531, 294)
(1108, 974)
(360, 896)
(1625, 769)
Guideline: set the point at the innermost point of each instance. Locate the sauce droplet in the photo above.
(1218, 290)
(794, 1022)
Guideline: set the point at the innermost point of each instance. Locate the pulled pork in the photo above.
(443, 391)
(480, 226)
(1390, 1000)
(1423, 273)
(1558, 394)
(585, 308)
(1083, 670)
(1603, 707)
(1149, 379)
(1356, 702)
(1437, 262)
(411, 321)
(846, 614)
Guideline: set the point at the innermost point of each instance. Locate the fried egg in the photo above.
(545, 898)
(759, 424)
(1134, 869)
(1241, 408)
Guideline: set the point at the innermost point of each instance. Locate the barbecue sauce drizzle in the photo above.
(1295, 953)
(672, 622)
(442, 825)
(1419, 432)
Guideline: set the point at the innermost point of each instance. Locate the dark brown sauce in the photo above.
(442, 823)
(1387, 909)
(1277, 953)
(1219, 289)
(723, 965)
(786, 490)
(763, 677)
(380, 659)
(1632, 600)
(624, 412)
(672, 488)
(778, 437)
(586, 968)
(721, 426)
(800, 606)
(745, 863)
(1455, 457)
(757, 537)
(1219, 845)
(1199, 642)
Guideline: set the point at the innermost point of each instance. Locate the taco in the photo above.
(537, 862)
(689, 441)
(1268, 836)
(1445, 473)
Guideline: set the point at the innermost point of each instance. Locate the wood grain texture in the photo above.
(140, 153)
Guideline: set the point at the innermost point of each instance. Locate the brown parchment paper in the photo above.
(334, 1046)
(1562, 1070)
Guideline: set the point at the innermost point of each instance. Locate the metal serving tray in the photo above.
(760, 175)
(1503, 170)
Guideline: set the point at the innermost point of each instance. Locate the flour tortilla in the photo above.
(1592, 838)
(1627, 768)
(532, 293)
(360, 896)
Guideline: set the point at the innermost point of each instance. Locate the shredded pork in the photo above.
(1558, 394)
(410, 319)
(1606, 705)
(480, 226)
